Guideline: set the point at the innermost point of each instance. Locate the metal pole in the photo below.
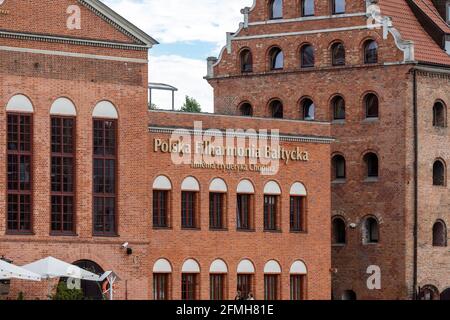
(173, 100)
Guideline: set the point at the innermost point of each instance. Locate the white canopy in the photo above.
(50, 268)
(10, 271)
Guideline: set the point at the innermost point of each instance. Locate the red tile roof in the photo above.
(404, 20)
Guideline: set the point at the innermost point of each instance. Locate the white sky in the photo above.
(188, 31)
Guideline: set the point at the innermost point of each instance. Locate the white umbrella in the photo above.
(50, 268)
(10, 271)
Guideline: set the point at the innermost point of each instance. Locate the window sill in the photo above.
(298, 232)
(246, 230)
(371, 180)
(162, 228)
(97, 235)
(338, 245)
(371, 120)
(338, 121)
(339, 181)
(218, 229)
(18, 233)
(190, 229)
(273, 231)
(62, 234)
(371, 244)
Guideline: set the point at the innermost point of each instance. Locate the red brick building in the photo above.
(87, 168)
(379, 71)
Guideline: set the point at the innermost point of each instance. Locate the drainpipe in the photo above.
(416, 185)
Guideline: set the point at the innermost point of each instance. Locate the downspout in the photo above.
(416, 186)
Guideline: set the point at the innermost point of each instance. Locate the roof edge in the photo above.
(120, 22)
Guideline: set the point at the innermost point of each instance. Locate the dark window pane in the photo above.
(297, 213)
(160, 211)
(276, 109)
(372, 106)
(338, 6)
(270, 213)
(276, 59)
(217, 287)
(307, 8)
(246, 61)
(216, 210)
(243, 212)
(371, 52)
(338, 54)
(307, 56)
(309, 110)
(339, 108)
(339, 231)
(161, 286)
(188, 209)
(245, 284)
(19, 157)
(271, 289)
(297, 285)
(276, 9)
(189, 287)
(246, 110)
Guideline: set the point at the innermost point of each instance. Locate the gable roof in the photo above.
(118, 21)
(405, 21)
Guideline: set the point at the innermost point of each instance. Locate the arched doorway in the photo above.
(349, 295)
(92, 290)
(445, 295)
(429, 292)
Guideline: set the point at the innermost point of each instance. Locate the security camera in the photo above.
(125, 245)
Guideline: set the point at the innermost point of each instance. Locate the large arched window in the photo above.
(91, 290)
(246, 110)
(275, 9)
(372, 165)
(276, 109)
(371, 231)
(338, 106)
(245, 278)
(307, 56)
(439, 115)
(439, 174)
(370, 52)
(307, 8)
(276, 59)
(245, 213)
(246, 61)
(338, 6)
(308, 109)
(272, 274)
(298, 274)
(439, 234)
(105, 169)
(371, 106)
(338, 54)
(338, 231)
(63, 123)
(338, 165)
(19, 142)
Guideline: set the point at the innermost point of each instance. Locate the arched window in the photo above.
(246, 110)
(349, 295)
(276, 58)
(190, 212)
(338, 54)
(371, 105)
(190, 280)
(218, 276)
(276, 109)
(339, 236)
(162, 271)
(371, 162)
(370, 52)
(338, 167)
(276, 9)
(245, 215)
(91, 290)
(298, 274)
(308, 109)
(297, 208)
(307, 8)
(439, 234)
(161, 202)
(246, 61)
(439, 115)
(245, 278)
(371, 231)
(307, 56)
(272, 272)
(338, 105)
(439, 178)
(217, 204)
